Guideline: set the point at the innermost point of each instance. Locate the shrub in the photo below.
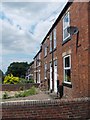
(31, 91)
(10, 79)
(21, 88)
(22, 80)
(19, 95)
(5, 96)
(31, 81)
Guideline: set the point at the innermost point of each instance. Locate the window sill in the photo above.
(45, 56)
(65, 41)
(67, 85)
(53, 50)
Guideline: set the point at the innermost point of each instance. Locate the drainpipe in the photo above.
(52, 64)
(36, 70)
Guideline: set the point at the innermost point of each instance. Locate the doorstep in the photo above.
(53, 95)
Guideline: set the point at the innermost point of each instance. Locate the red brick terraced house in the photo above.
(65, 52)
(37, 67)
(30, 71)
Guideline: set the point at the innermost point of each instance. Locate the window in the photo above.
(45, 71)
(67, 69)
(39, 58)
(66, 23)
(50, 41)
(54, 38)
(45, 51)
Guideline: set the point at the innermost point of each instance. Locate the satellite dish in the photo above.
(72, 30)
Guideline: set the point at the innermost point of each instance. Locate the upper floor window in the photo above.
(35, 63)
(67, 69)
(39, 58)
(66, 23)
(45, 71)
(54, 33)
(50, 41)
(45, 51)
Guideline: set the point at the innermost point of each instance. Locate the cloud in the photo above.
(24, 25)
(37, 0)
(46, 1)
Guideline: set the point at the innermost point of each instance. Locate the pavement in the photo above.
(41, 96)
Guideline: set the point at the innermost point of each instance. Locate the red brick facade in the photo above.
(30, 71)
(89, 52)
(37, 67)
(77, 46)
(79, 55)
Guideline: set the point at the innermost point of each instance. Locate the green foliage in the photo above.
(18, 69)
(31, 91)
(20, 94)
(22, 80)
(10, 79)
(5, 96)
(30, 81)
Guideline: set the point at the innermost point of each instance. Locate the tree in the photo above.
(18, 69)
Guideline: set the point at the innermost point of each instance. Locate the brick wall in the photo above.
(16, 87)
(89, 52)
(47, 110)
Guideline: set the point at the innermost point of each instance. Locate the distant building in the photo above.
(30, 71)
(37, 67)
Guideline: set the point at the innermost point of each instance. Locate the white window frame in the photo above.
(66, 68)
(65, 27)
(39, 59)
(45, 70)
(45, 51)
(54, 37)
(51, 41)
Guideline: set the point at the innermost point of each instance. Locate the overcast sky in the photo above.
(24, 25)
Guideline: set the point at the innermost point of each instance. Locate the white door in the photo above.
(55, 76)
(39, 77)
(50, 76)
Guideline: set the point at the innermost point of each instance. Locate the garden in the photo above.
(21, 92)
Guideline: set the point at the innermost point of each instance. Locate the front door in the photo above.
(55, 76)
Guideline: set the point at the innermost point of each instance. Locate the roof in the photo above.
(31, 63)
(68, 4)
(38, 53)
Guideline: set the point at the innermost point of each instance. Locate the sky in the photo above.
(23, 27)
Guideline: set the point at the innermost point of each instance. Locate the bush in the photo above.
(5, 96)
(20, 94)
(22, 80)
(31, 91)
(10, 79)
(31, 81)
